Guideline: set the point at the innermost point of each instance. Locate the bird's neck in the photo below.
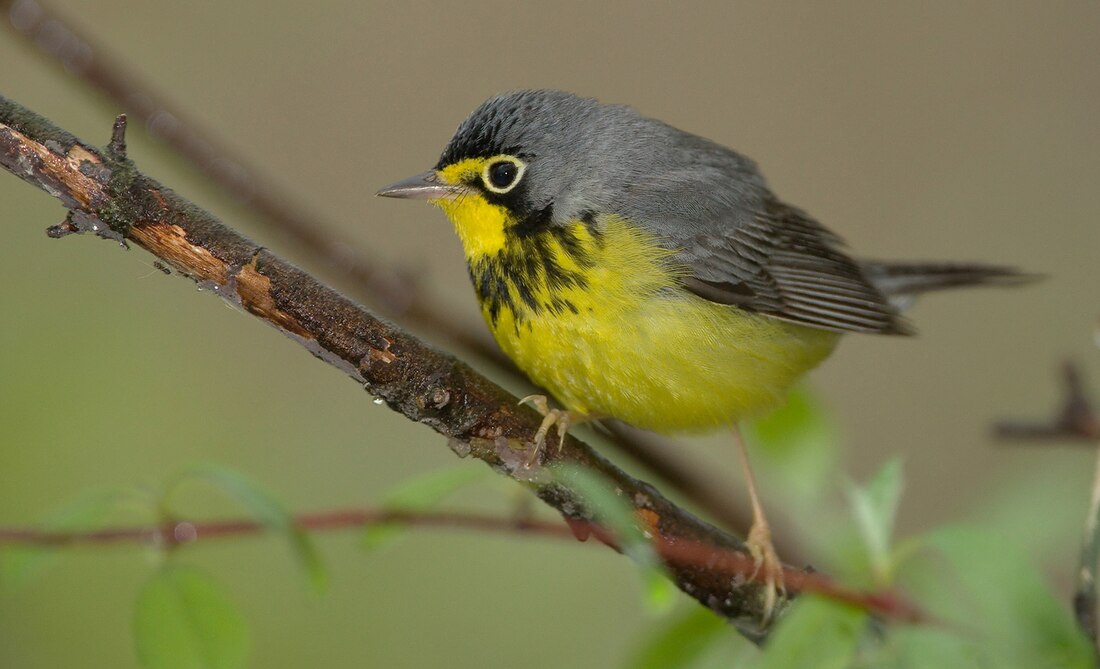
(533, 271)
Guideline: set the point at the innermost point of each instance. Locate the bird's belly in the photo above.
(671, 362)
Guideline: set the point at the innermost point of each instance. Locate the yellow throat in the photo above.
(592, 310)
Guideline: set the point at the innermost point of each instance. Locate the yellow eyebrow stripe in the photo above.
(461, 171)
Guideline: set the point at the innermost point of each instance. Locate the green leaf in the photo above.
(377, 535)
(682, 642)
(930, 647)
(816, 632)
(611, 511)
(185, 620)
(421, 493)
(992, 590)
(607, 508)
(661, 594)
(267, 510)
(18, 564)
(427, 490)
(875, 506)
(798, 442)
(800, 419)
(1037, 499)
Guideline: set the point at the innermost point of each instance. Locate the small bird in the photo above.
(643, 273)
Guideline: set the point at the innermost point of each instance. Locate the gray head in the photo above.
(576, 156)
(567, 143)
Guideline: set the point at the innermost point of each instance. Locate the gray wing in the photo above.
(782, 263)
(739, 243)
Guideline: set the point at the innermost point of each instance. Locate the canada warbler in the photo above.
(643, 273)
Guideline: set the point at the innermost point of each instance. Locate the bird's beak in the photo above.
(426, 186)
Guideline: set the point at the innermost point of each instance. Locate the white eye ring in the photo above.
(502, 173)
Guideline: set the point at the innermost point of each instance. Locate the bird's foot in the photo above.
(560, 419)
(767, 566)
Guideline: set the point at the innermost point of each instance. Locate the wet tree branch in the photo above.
(391, 289)
(108, 196)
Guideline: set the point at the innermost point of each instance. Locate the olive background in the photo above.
(933, 130)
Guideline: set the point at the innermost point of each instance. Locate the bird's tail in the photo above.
(902, 282)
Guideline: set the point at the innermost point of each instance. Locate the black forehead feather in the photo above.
(512, 122)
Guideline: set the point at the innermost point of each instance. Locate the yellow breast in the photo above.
(593, 313)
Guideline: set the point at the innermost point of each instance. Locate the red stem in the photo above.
(685, 552)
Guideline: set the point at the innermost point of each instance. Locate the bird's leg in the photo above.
(759, 539)
(558, 418)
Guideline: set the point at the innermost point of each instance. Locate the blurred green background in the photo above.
(916, 130)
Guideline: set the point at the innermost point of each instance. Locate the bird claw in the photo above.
(767, 564)
(551, 418)
(537, 402)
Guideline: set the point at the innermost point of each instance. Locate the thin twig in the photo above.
(391, 289)
(187, 531)
(733, 564)
(1076, 420)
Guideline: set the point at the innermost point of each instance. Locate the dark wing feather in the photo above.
(785, 264)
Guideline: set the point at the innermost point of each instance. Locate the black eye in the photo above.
(502, 174)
